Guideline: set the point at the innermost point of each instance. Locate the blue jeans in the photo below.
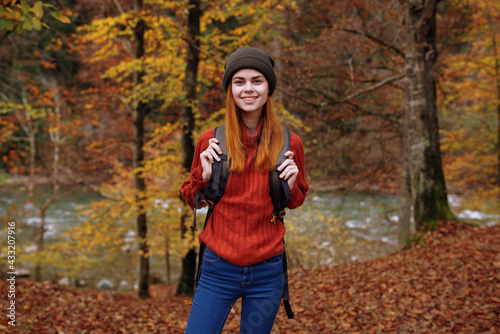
(222, 283)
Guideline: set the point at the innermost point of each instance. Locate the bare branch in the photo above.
(118, 6)
(375, 39)
(373, 87)
(334, 100)
(295, 96)
(392, 118)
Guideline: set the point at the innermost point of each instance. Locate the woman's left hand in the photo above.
(290, 169)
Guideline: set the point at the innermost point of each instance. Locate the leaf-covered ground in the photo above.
(449, 283)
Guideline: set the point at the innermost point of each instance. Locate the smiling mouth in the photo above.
(249, 98)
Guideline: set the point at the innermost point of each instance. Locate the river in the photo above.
(330, 228)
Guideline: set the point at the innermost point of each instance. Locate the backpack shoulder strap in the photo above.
(280, 195)
(286, 147)
(220, 171)
(220, 134)
(214, 190)
(279, 190)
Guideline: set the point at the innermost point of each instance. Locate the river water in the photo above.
(330, 228)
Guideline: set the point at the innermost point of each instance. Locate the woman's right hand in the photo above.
(208, 157)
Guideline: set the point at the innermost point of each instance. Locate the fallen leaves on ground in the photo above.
(449, 283)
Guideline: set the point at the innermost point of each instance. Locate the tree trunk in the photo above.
(139, 114)
(427, 184)
(167, 260)
(186, 283)
(405, 206)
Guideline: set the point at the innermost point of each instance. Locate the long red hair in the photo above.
(271, 137)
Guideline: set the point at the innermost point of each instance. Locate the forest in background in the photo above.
(67, 87)
(73, 81)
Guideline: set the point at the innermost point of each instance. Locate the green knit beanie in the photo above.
(249, 58)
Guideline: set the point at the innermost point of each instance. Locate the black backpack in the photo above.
(214, 190)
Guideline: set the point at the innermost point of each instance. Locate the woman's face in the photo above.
(250, 90)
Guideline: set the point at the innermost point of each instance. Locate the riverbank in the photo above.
(357, 183)
(23, 181)
(448, 283)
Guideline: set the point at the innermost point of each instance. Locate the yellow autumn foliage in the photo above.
(469, 103)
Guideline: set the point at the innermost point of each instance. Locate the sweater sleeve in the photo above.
(191, 187)
(300, 186)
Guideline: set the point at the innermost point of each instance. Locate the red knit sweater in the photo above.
(239, 229)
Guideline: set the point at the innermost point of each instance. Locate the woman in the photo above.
(243, 248)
